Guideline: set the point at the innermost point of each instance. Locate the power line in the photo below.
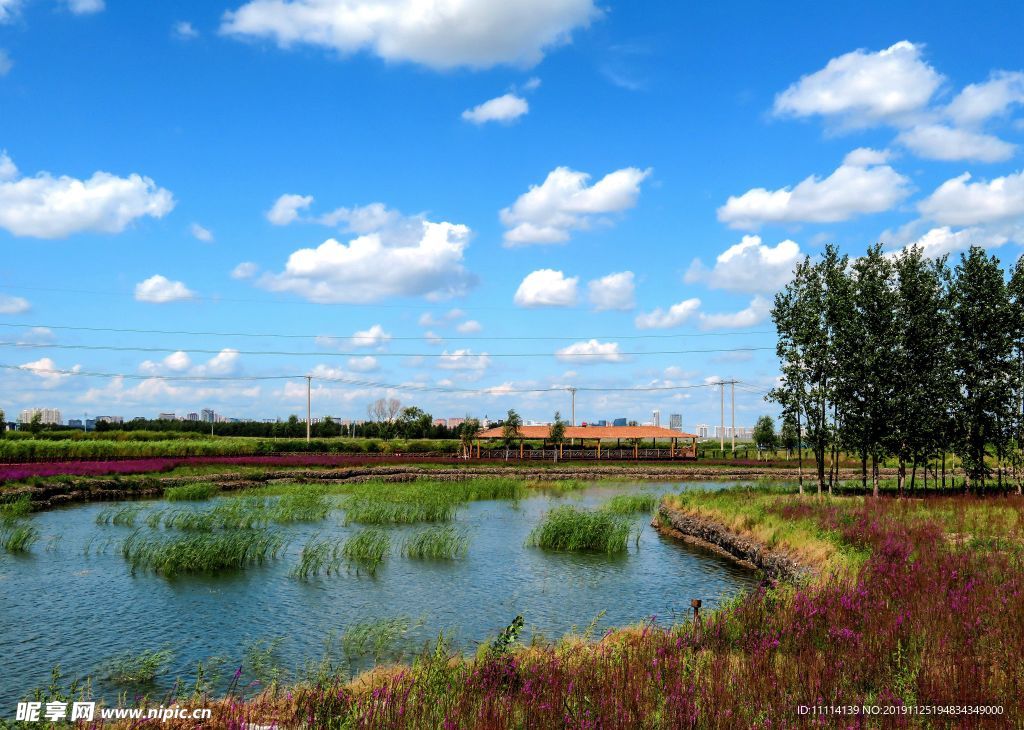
(293, 353)
(374, 338)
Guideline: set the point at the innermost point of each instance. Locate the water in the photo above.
(59, 606)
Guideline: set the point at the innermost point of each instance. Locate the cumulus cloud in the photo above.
(590, 352)
(364, 364)
(245, 270)
(429, 319)
(959, 202)
(505, 108)
(45, 206)
(859, 186)
(385, 263)
(13, 305)
(435, 33)
(48, 370)
(199, 232)
(748, 266)
(176, 362)
(756, 313)
(158, 289)
(614, 291)
(286, 208)
(942, 240)
(463, 359)
(374, 336)
(564, 202)
(977, 103)
(863, 88)
(9, 9)
(6, 64)
(547, 288)
(85, 7)
(674, 316)
(224, 362)
(184, 30)
(939, 142)
(469, 327)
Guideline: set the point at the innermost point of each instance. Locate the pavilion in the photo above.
(591, 440)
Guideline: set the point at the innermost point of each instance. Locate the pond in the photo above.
(73, 600)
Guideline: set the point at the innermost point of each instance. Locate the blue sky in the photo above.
(591, 176)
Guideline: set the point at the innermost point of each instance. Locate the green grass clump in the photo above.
(569, 529)
(241, 513)
(382, 511)
(306, 506)
(318, 556)
(202, 552)
(625, 504)
(376, 638)
(436, 543)
(18, 538)
(190, 493)
(123, 515)
(15, 510)
(367, 549)
(138, 669)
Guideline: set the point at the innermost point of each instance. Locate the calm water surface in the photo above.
(59, 606)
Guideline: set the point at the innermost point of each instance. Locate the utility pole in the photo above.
(733, 389)
(572, 442)
(721, 433)
(309, 414)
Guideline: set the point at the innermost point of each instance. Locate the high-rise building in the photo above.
(620, 422)
(49, 416)
(193, 416)
(703, 430)
(208, 416)
(656, 417)
(109, 419)
(166, 417)
(675, 421)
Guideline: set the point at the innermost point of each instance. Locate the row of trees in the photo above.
(903, 356)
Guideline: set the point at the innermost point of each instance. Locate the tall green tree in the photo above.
(764, 433)
(982, 356)
(556, 434)
(468, 430)
(511, 430)
(1015, 289)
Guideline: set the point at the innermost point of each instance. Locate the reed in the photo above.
(18, 538)
(436, 543)
(15, 510)
(138, 669)
(123, 516)
(306, 506)
(376, 638)
(625, 504)
(319, 556)
(201, 552)
(569, 529)
(190, 492)
(240, 513)
(378, 511)
(367, 549)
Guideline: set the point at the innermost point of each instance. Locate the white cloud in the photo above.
(159, 289)
(37, 335)
(469, 327)
(435, 33)
(375, 336)
(224, 362)
(614, 291)
(862, 88)
(13, 305)
(748, 266)
(463, 359)
(245, 270)
(381, 264)
(185, 30)
(365, 364)
(44, 206)
(176, 362)
(548, 212)
(944, 240)
(547, 288)
(6, 64)
(589, 352)
(959, 202)
(85, 7)
(674, 316)
(978, 102)
(504, 108)
(433, 338)
(8, 9)
(46, 368)
(203, 234)
(286, 208)
(939, 142)
(369, 218)
(427, 319)
(756, 313)
(532, 84)
(853, 189)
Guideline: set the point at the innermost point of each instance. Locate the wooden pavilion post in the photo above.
(672, 448)
(599, 449)
(520, 449)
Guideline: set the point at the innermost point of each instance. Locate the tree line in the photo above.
(904, 356)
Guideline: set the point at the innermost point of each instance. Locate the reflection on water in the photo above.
(59, 606)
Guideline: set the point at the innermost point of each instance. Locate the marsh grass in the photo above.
(240, 513)
(625, 504)
(201, 552)
(190, 492)
(309, 505)
(15, 510)
(138, 669)
(436, 543)
(382, 511)
(569, 529)
(18, 538)
(367, 549)
(376, 638)
(319, 556)
(124, 515)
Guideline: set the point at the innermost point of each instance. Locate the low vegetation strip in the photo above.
(201, 552)
(569, 529)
